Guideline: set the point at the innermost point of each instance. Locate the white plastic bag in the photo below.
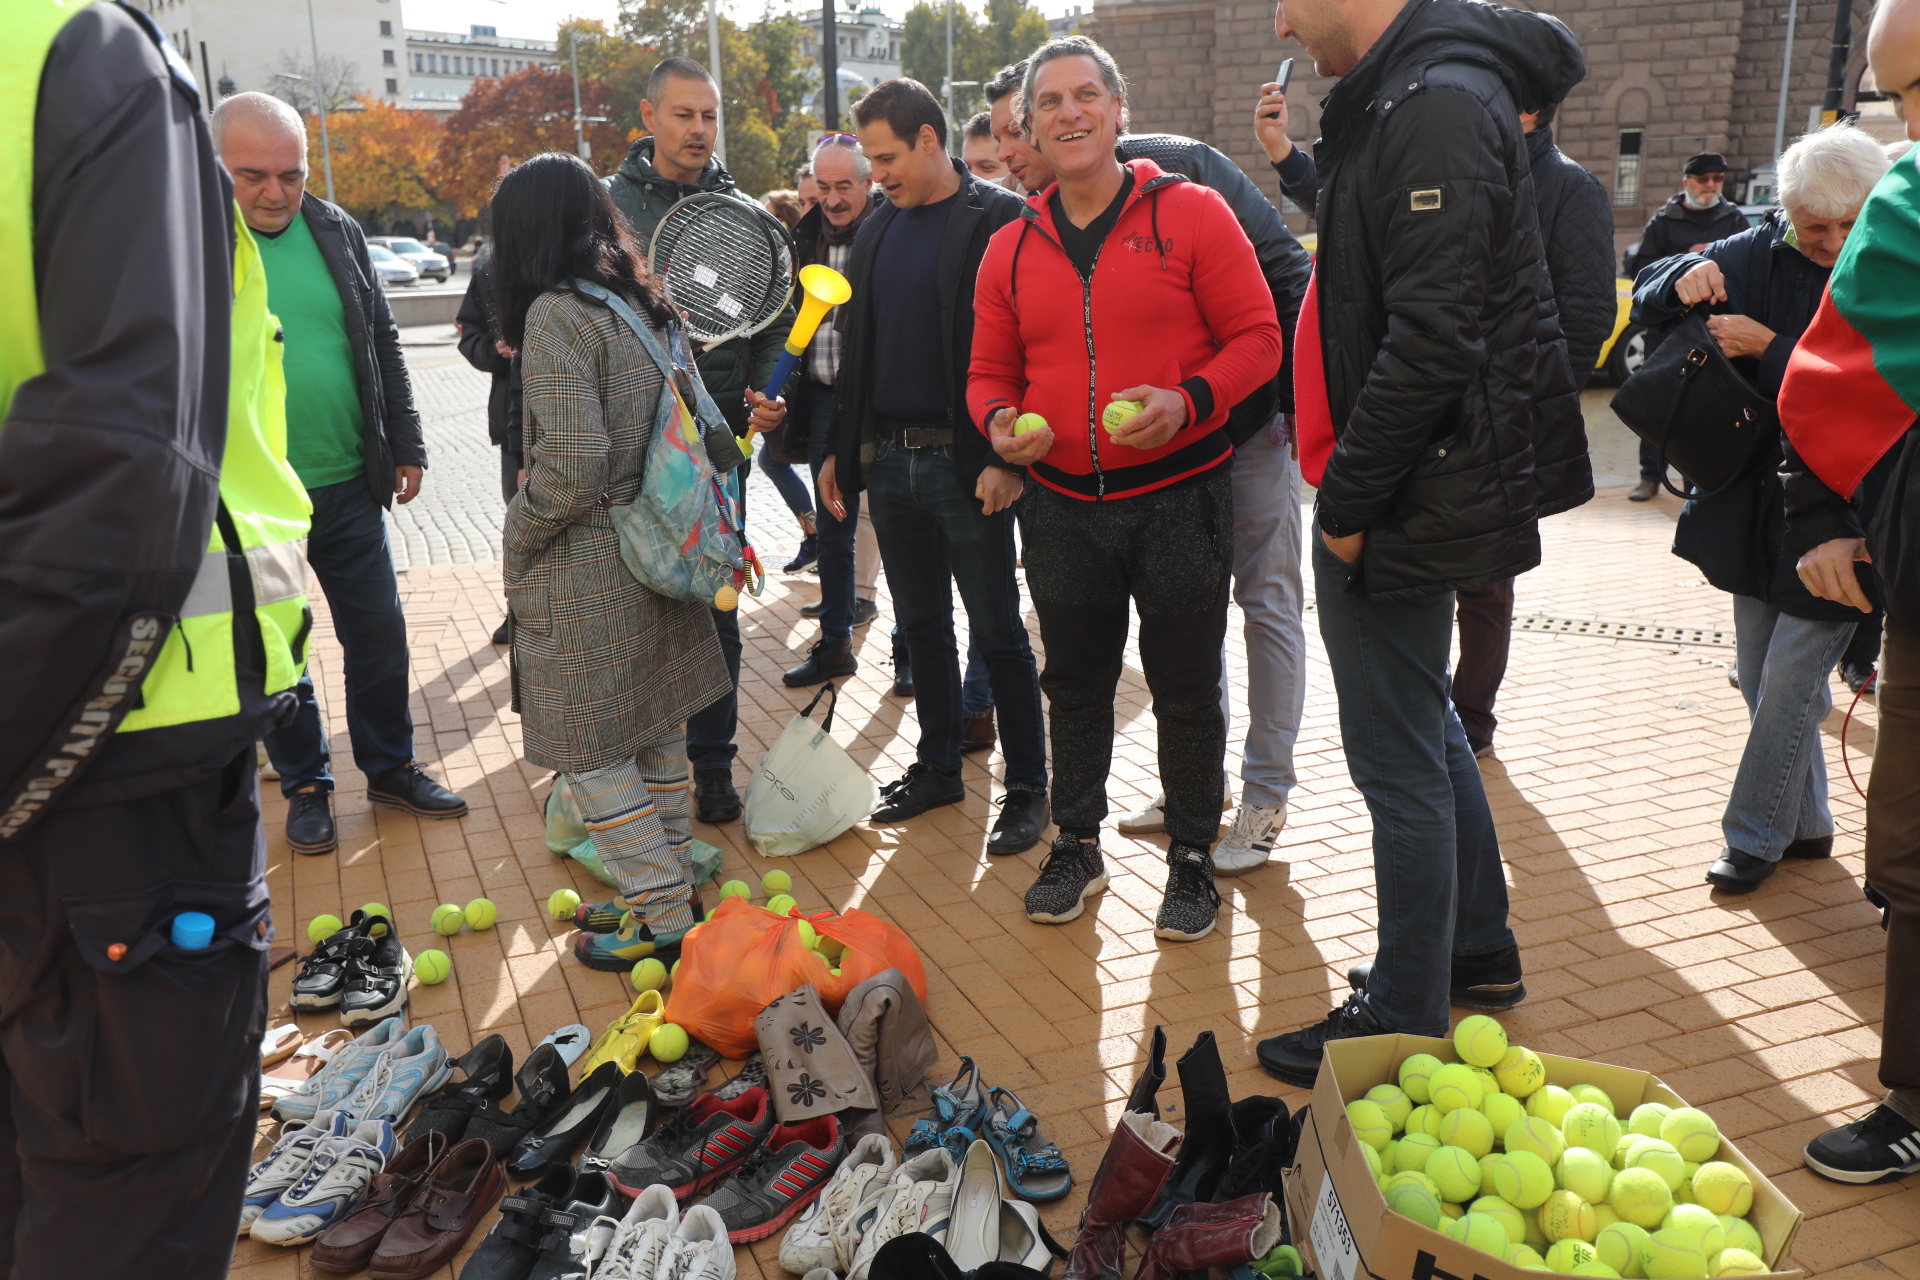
(807, 790)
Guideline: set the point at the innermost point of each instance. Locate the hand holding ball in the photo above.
(1119, 413)
(1028, 422)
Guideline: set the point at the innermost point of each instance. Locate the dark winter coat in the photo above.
(479, 336)
(1576, 229)
(808, 250)
(1432, 287)
(1886, 512)
(1678, 226)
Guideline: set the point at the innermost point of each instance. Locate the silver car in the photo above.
(428, 262)
(391, 267)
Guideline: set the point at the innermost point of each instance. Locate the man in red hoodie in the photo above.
(1126, 308)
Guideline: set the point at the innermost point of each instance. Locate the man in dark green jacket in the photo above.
(677, 161)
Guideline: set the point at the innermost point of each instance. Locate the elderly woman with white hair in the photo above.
(1763, 286)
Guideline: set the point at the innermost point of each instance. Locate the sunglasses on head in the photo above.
(839, 140)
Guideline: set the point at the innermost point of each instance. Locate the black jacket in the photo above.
(1432, 287)
(807, 250)
(392, 433)
(1576, 230)
(1678, 226)
(1886, 512)
(478, 338)
(982, 209)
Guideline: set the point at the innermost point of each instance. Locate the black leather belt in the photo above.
(918, 437)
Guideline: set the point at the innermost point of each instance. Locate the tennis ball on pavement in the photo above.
(1693, 1134)
(1468, 1129)
(1672, 1254)
(1413, 1152)
(1415, 1073)
(1640, 1196)
(1590, 1125)
(1568, 1253)
(1565, 1216)
(1520, 1072)
(781, 903)
(1585, 1174)
(1652, 1153)
(561, 904)
(1592, 1093)
(1483, 1232)
(1551, 1103)
(1501, 1111)
(1117, 414)
(1028, 422)
(1700, 1223)
(1480, 1041)
(649, 975)
(481, 913)
(1735, 1262)
(372, 909)
(1371, 1123)
(1741, 1235)
(1619, 1245)
(1394, 1101)
(1412, 1196)
(1646, 1119)
(1425, 1119)
(1536, 1135)
(1456, 1173)
(776, 882)
(735, 889)
(1454, 1086)
(1511, 1220)
(322, 927)
(432, 967)
(1523, 1180)
(1523, 1257)
(447, 920)
(668, 1042)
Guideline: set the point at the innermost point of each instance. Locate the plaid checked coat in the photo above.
(604, 665)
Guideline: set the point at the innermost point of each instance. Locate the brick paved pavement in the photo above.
(1612, 762)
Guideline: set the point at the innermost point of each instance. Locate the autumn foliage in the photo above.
(384, 160)
(516, 117)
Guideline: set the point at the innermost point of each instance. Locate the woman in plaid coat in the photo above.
(607, 670)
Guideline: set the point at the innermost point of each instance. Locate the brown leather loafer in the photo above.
(348, 1244)
(445, 1209)
(976, 733)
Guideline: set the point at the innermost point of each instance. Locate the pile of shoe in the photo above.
(361, 970)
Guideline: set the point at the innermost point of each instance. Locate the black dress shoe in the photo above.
(827, 660)
(503, 634)
(409, 788)
(902, 671)
(570, 1125)
(714, 799)
(1818, 847)
(542, 1083)
(624, 1123)
(1295, 1057)
(864, 611)
(310, 822)
(482, 1074)
(813, 610)
(1490, 982)
(923, 788)
(1023, 816)
(1737, 872)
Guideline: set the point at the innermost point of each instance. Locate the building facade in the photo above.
(442, 65)
(868, 46)
(238, 46)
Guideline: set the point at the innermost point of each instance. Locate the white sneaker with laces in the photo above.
(920, 1198)
(810, 1241)
(1250, 841)
(699, 1249)
(1152, 817)
(334, 1083)
(289, 1159)
(641, 1238)
(332, 1184)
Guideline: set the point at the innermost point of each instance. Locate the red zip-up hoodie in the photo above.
(1176, 300)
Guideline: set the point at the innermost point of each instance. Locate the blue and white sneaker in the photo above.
(335, 1179)
(412, 1067)
(334, 1083)
(287, 1161)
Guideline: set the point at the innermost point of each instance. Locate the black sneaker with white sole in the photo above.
(322, 979)
(1072, 872)
(1880, 1148)
(1490, 982)
(1191, 904)
(376, 985)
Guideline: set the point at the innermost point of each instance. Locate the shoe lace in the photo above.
(622, 1257)
(294, 1150)
(918, 769)
(1190, 874)
(1249, 823)
(1884, 1125)
(371, 1088)
(1068, 857)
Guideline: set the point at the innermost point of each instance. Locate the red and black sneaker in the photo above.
(698, 1147)
(780, 1179)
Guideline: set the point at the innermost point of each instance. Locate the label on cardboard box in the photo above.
(1333, 1245)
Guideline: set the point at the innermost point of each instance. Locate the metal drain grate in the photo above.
(1653, 632)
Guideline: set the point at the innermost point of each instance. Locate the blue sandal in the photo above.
(1035, 1168)
(958, 1107)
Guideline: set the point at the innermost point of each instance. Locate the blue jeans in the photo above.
(932, 535)
(835, 536)
(1780, 790)
(976, 689)
(1436, 858)
(793, 490)
(710, 730)
(349, 554)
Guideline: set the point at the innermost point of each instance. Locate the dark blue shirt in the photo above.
(909, 358)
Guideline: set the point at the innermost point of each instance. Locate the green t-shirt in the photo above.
(325, 421)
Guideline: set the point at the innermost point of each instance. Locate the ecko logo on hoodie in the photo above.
(1147, 244)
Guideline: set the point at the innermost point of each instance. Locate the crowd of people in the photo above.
(1089, 357)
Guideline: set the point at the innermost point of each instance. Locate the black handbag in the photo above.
(1691, 404)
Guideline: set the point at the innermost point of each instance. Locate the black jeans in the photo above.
(1169, 553)
(836, 536)
(1486, 635)
(710, 730)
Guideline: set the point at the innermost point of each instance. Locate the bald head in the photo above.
(263, 143)
(1893, 51)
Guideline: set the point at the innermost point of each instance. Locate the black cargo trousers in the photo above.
(131, 1068)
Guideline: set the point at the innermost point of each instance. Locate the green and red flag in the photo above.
(1853, 384)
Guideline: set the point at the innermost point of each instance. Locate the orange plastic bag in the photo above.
(744, 957)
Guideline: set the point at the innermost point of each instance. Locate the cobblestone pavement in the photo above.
(1612, 765)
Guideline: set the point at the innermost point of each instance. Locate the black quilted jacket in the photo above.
(1576, 227)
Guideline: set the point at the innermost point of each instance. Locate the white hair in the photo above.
(1897, 149)
(257, 108)
(862, 167)
(1828, 174)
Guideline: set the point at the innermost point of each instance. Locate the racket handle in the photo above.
(781, 372)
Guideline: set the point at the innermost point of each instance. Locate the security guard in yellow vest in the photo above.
(152, 619)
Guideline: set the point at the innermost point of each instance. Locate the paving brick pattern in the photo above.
(1612, 763)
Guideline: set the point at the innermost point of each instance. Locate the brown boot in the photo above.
(1199, 1236)
(976, 733)
(1131, 1174)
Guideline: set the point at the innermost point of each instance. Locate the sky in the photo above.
(537, 19)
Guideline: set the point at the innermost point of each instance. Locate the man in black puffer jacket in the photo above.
(1415, 384)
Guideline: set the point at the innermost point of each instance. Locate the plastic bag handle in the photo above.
(806, 713)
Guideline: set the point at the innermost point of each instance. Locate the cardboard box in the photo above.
(1342, 1225)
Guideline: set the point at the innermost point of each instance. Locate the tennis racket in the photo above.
(727, 264)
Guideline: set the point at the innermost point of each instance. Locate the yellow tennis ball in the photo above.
(776, 882)
(1604, 1214)
(1028, 422)
(1590, 1125)
(1389, 1154)
(322, 927)
(372, 909)
(1551, 1103)
(1683, 1194)
(561, 904)
(447, 920)
(1646, 1119)
(1741, 1235)
(481, 913)
(1523, 1180)
(1672, 1254)
(1565, 1216)
(1659, 1156)
(1592, 1093)
(1537, 1136)
(1735, 1262)
(1456, 1173)
(808, 935)
(1412, 1195)
(1595, 1268)
(673, 974)
(1511, 1220)
(735, 889)
(1640, 1196)
(1585, 1174)
(1700, 1223)
(1693, 1134)
(781, 903)
(1569, 1252)
(1480, 1041)
(726, 599)
(1486, 1169)
(1371, 1123)
(1483, 1232)
(1372, 1157)
(1520, 1072)
(1425, 1119)
(668, 1042)
(1619, 1245)
(1414, 1151)
(1117, 414)
(1523, 1257)
(1469, 1129)
(1452, 1212)
(1501, 1111)
(1394, 1101)
(1415, 1074)
(1488, 1085)
(432, 967)
(649, 975)
(1454, 1086)
(1536, 1238)
(1628, 1141)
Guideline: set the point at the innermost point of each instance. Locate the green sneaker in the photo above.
(630, 943)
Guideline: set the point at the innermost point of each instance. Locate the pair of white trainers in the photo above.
(1248, 844)
(655, 1241)
(872, 1199)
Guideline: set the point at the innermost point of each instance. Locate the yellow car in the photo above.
(1626, 347)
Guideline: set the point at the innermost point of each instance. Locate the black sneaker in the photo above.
(808, 553)
(697, 1148)
(1264, 1139)
(1295, 1057)
(409, 788)
(1023, 816)
(1880, 1148)
(826, 660)
(902, 671)
(574, 1233)
(1191, 903)
(376, 985)
(509, 1250)
(310, 822)
(780, 1179)
(1490, 982)
(503, 634)
(1072, 872)
(924, 787)
(864, 611)
(714, 799)
(322, 979)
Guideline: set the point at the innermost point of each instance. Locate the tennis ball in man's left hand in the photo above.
(1119, 413)
(1028, 422)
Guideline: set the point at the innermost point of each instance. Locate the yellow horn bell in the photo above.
(825, 289)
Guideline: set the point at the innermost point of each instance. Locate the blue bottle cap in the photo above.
(192, 930)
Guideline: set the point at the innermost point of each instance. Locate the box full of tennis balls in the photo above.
(1397, 1178)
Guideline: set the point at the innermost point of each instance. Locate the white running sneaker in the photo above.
(1151, 817)
(331, 1186)
(1250, 841)
(412, 1067)
(699, 1249)
(334, 1083)
(810, 1241)
(286, 1162)
(920, 1198)
(640, 1239)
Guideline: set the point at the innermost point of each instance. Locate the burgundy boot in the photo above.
(1131, 1174)
(1199, 1236)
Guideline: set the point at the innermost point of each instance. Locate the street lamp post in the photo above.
(713, 56)
(829, 67)
(320, 102)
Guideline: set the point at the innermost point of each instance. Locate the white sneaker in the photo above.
(412, 1067)
(698, 1250)
(286, 1162)
(920, 1198)
(641, 1238)
(334, 1083)
(809, 1243)
(1152, 817)
(1249, 843)
(332, 1184)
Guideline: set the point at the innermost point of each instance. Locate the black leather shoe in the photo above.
(409, 788)
(902, 672)
(924, 788)
(1295, 1057)
(622, 1124)
(1490, 982)
(503, 634)
(570, 1125)
(485, 1074)
(714, 799)
(864, 611)
(1737, 872)
(509, 1250)
(1023, 816)
(1818, 847)
(827, 660)
(310, 822)
(813, 610)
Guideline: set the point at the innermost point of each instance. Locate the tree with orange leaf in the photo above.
(384, 160)
(516, 117)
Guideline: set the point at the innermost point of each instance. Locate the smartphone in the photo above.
(1284, 77)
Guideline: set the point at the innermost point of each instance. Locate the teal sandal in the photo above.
(958, 1108)
(1035, 1168)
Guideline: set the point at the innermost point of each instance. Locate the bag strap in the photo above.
(826, 690)
(620, 307)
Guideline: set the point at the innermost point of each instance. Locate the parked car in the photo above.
(392, 267)
(426, 261)
(1626, 347)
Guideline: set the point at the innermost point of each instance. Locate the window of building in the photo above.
(393, 87)
(496, 68)
(470, 66)
(386, 28)
(1626, 168)
(416, 63)
(386, 57)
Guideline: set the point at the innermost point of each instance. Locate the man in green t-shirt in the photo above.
(354, 439)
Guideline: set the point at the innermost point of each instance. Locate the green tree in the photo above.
(982, 44)
(1014, 29)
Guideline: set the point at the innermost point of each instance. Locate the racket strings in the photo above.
(725, 270)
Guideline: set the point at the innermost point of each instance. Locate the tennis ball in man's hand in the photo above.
(776, 882)
(668, 1042)
(481, 913)
(561, 904)
(323, 927)
(447, 920)
(1119, 413)
(432, 967)
(1028, 422)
